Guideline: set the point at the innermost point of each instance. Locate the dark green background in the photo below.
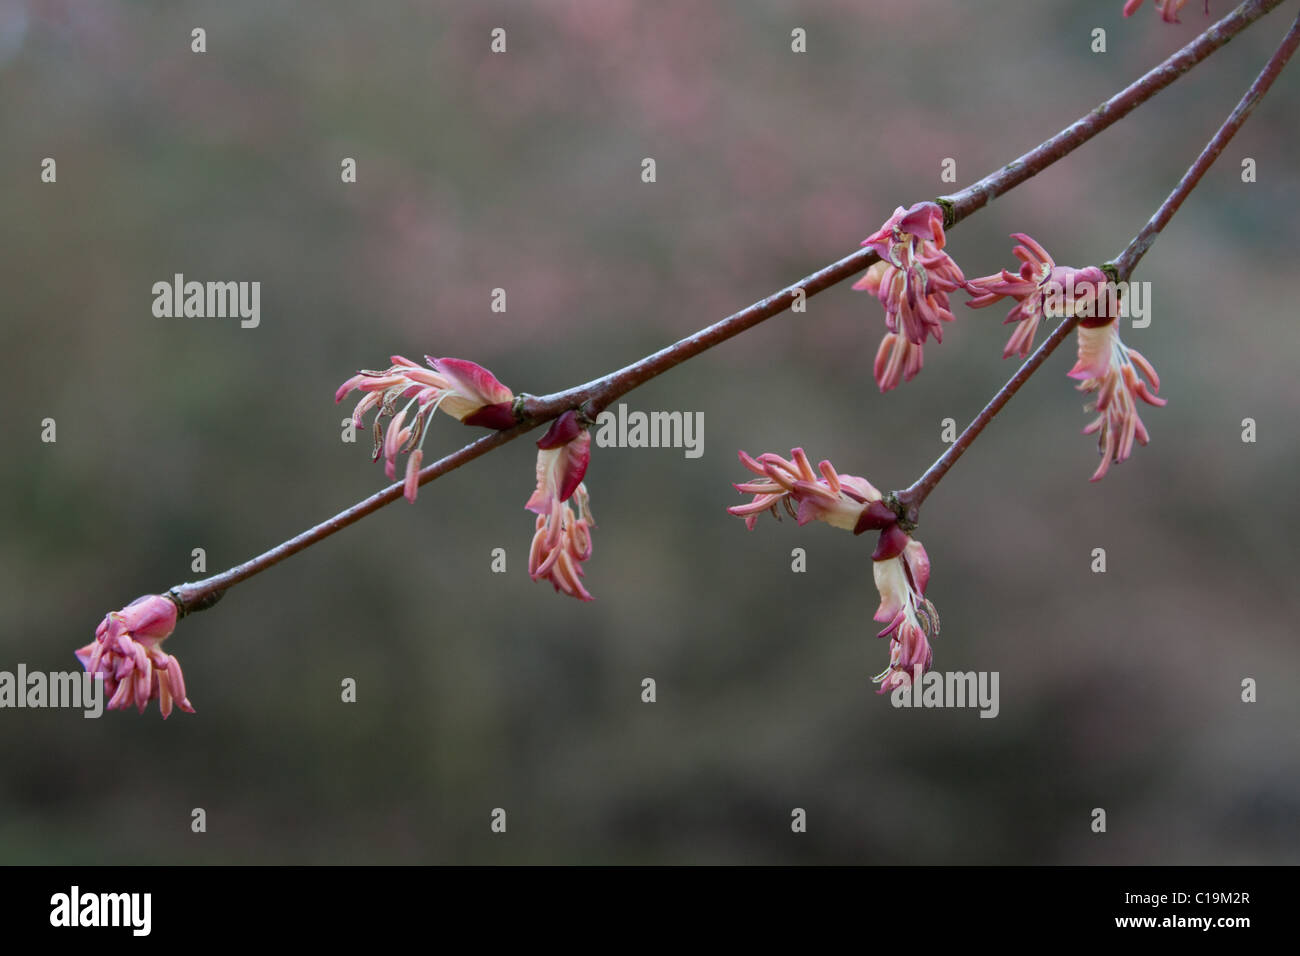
(522, 171)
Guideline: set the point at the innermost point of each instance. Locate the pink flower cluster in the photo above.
(842, 501)
(462, 389)
(126, 651)
(912, 281)
(472, 394)
(909, 617)
(562, 539)
(900, 564)
(1109, 369)
(1039, 282)
(1105, 367)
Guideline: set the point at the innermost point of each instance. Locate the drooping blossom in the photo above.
(1041, 288)
(842, 501)
(1109, 369)
(126, 651)
(1168, 9)
(462, 389)
(912, 281)
(562, 540)
(899, 563)
(909, 617)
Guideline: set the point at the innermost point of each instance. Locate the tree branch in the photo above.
(976, 196)
(598, 393)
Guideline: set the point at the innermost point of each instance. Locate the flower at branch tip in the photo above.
(126, 651)
(1041, 288)
(1168, 9)
(1109, 368)
(912, 281)
(842, 501)
(910, 619)
(562, 540)
(464, 390)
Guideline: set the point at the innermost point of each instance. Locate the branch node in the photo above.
(949, 212)
(907, 516)
(202, 604)
(518, 407)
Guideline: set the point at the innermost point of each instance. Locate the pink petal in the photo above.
(472, 381)
(562, 431)
(413, 462)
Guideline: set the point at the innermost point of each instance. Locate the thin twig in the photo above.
(912, 498)
(203, 594)
(1119, 271)
(1116, 108)
(1127, 261)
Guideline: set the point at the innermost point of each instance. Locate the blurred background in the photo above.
(522, 171)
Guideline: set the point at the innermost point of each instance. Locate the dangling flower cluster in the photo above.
(1109, 368)
(126, 651)
(1168, 9)
(912, 281)
(900, 564)
(902, 571)
(1041, 288)
(462, 389)
(1105, 366)
(562, 540)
